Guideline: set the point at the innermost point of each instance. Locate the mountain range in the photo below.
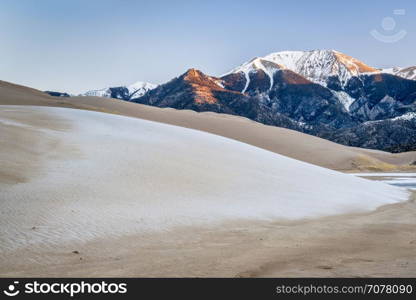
(322, 92)
(128, 92)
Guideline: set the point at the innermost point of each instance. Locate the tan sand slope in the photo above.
(279, 140)
(377, 244)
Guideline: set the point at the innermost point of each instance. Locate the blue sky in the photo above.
(79, 45)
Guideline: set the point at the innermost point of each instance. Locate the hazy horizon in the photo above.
(74, 46)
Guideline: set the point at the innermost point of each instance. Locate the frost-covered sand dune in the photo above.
(71, 176)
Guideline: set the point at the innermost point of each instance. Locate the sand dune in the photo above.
(381, 243)
(139, 198)
(279, 140)
(93, 174)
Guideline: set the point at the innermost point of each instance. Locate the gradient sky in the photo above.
(80, 45)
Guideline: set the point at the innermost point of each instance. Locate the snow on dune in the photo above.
(130, 175)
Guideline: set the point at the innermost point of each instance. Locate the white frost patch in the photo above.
(246, 74)
(132, 175)
(384, 174)
(345, 99)
(219, 83)
(406, 117)
(404, 180)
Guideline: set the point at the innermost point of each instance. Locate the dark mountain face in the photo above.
(57, 94)
(388, 135)
(307, 102)
(120, 93)
(259, 83)
(296, 97)
(197, 91)
(381, 96)
(234, 82)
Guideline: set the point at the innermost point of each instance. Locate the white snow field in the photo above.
(123, 175)
(405, 180)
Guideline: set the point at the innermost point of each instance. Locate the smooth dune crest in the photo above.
(105, 174)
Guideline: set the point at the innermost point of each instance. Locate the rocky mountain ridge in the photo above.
(322, 92)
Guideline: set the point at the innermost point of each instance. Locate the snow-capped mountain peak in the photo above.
(316, 65)
(319, 65)
(257, 63)
(288, 59)
(128, 92)
(407, 73)
(105, 92)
